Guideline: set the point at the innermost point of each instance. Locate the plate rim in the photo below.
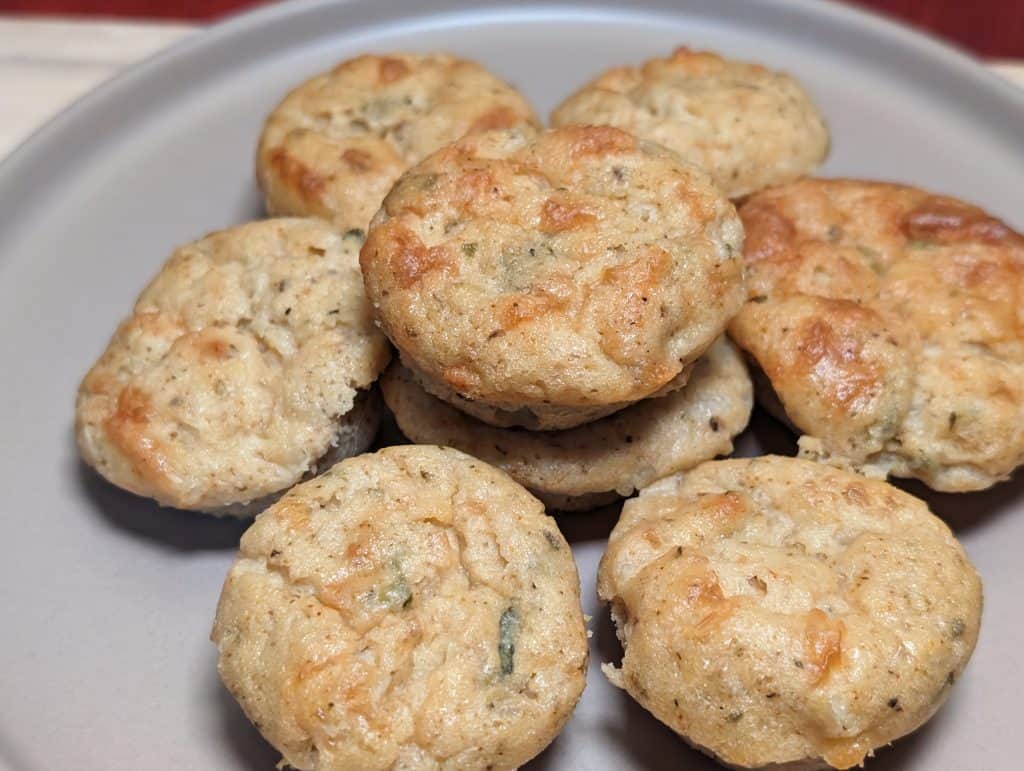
(887, 29)
(38, 150)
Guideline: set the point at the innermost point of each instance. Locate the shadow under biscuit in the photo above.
(648, 742)
(606, 645)
(964, 512)
(901, 753)
(241, 737)
(765, 435)
(593, 525)
(643, 737)
(250, 205)
(389, 434)
(548, 759)
(173, 529)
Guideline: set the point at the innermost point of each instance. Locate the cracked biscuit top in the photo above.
(778, 612)
(410, 609)
(890, 324)
(576, 269)
(237, 369)
(748, 126)
(337, 143)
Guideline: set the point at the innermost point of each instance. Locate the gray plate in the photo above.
(107, 599)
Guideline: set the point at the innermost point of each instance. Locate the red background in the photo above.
(991, 28)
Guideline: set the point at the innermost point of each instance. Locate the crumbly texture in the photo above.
(337, 143)
(748, 126)
(355, 432)
(555, 274)
(411, 609)
(778, 611)
(237, 370)
(890, 324)
(576, 469)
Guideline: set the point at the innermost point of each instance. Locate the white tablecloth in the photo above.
(46, 63)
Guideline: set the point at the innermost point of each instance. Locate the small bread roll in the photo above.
(411, 609)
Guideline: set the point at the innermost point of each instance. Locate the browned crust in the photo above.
(335, 144)
(778, 613)
(858, 292)
(522, 272)
(748, 126)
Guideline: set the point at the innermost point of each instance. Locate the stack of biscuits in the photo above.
(576, 315)
(558, 299)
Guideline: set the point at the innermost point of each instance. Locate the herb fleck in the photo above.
(469, 249)
(398, 595)
(919, 244)
(872, 257)
(355, 233)
(834, 233)
(957, 628)
(552, 540)
(508, 631)
(735, 717)
(952, 420)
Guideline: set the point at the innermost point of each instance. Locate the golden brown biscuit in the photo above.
(890, 323)
(412, 609)
(543, 418)
(587, 466)
(748, 126)
(560, 276)
(337, 143)
(780, 613)
(238, 370)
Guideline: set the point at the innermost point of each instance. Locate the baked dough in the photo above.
(780, 613)
(748, 126)
(411, 609)
(238, 371)
(562, 276)
(335, 145)
(890, 323)
(591, 465)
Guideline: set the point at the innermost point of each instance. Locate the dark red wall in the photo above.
(991, 28)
